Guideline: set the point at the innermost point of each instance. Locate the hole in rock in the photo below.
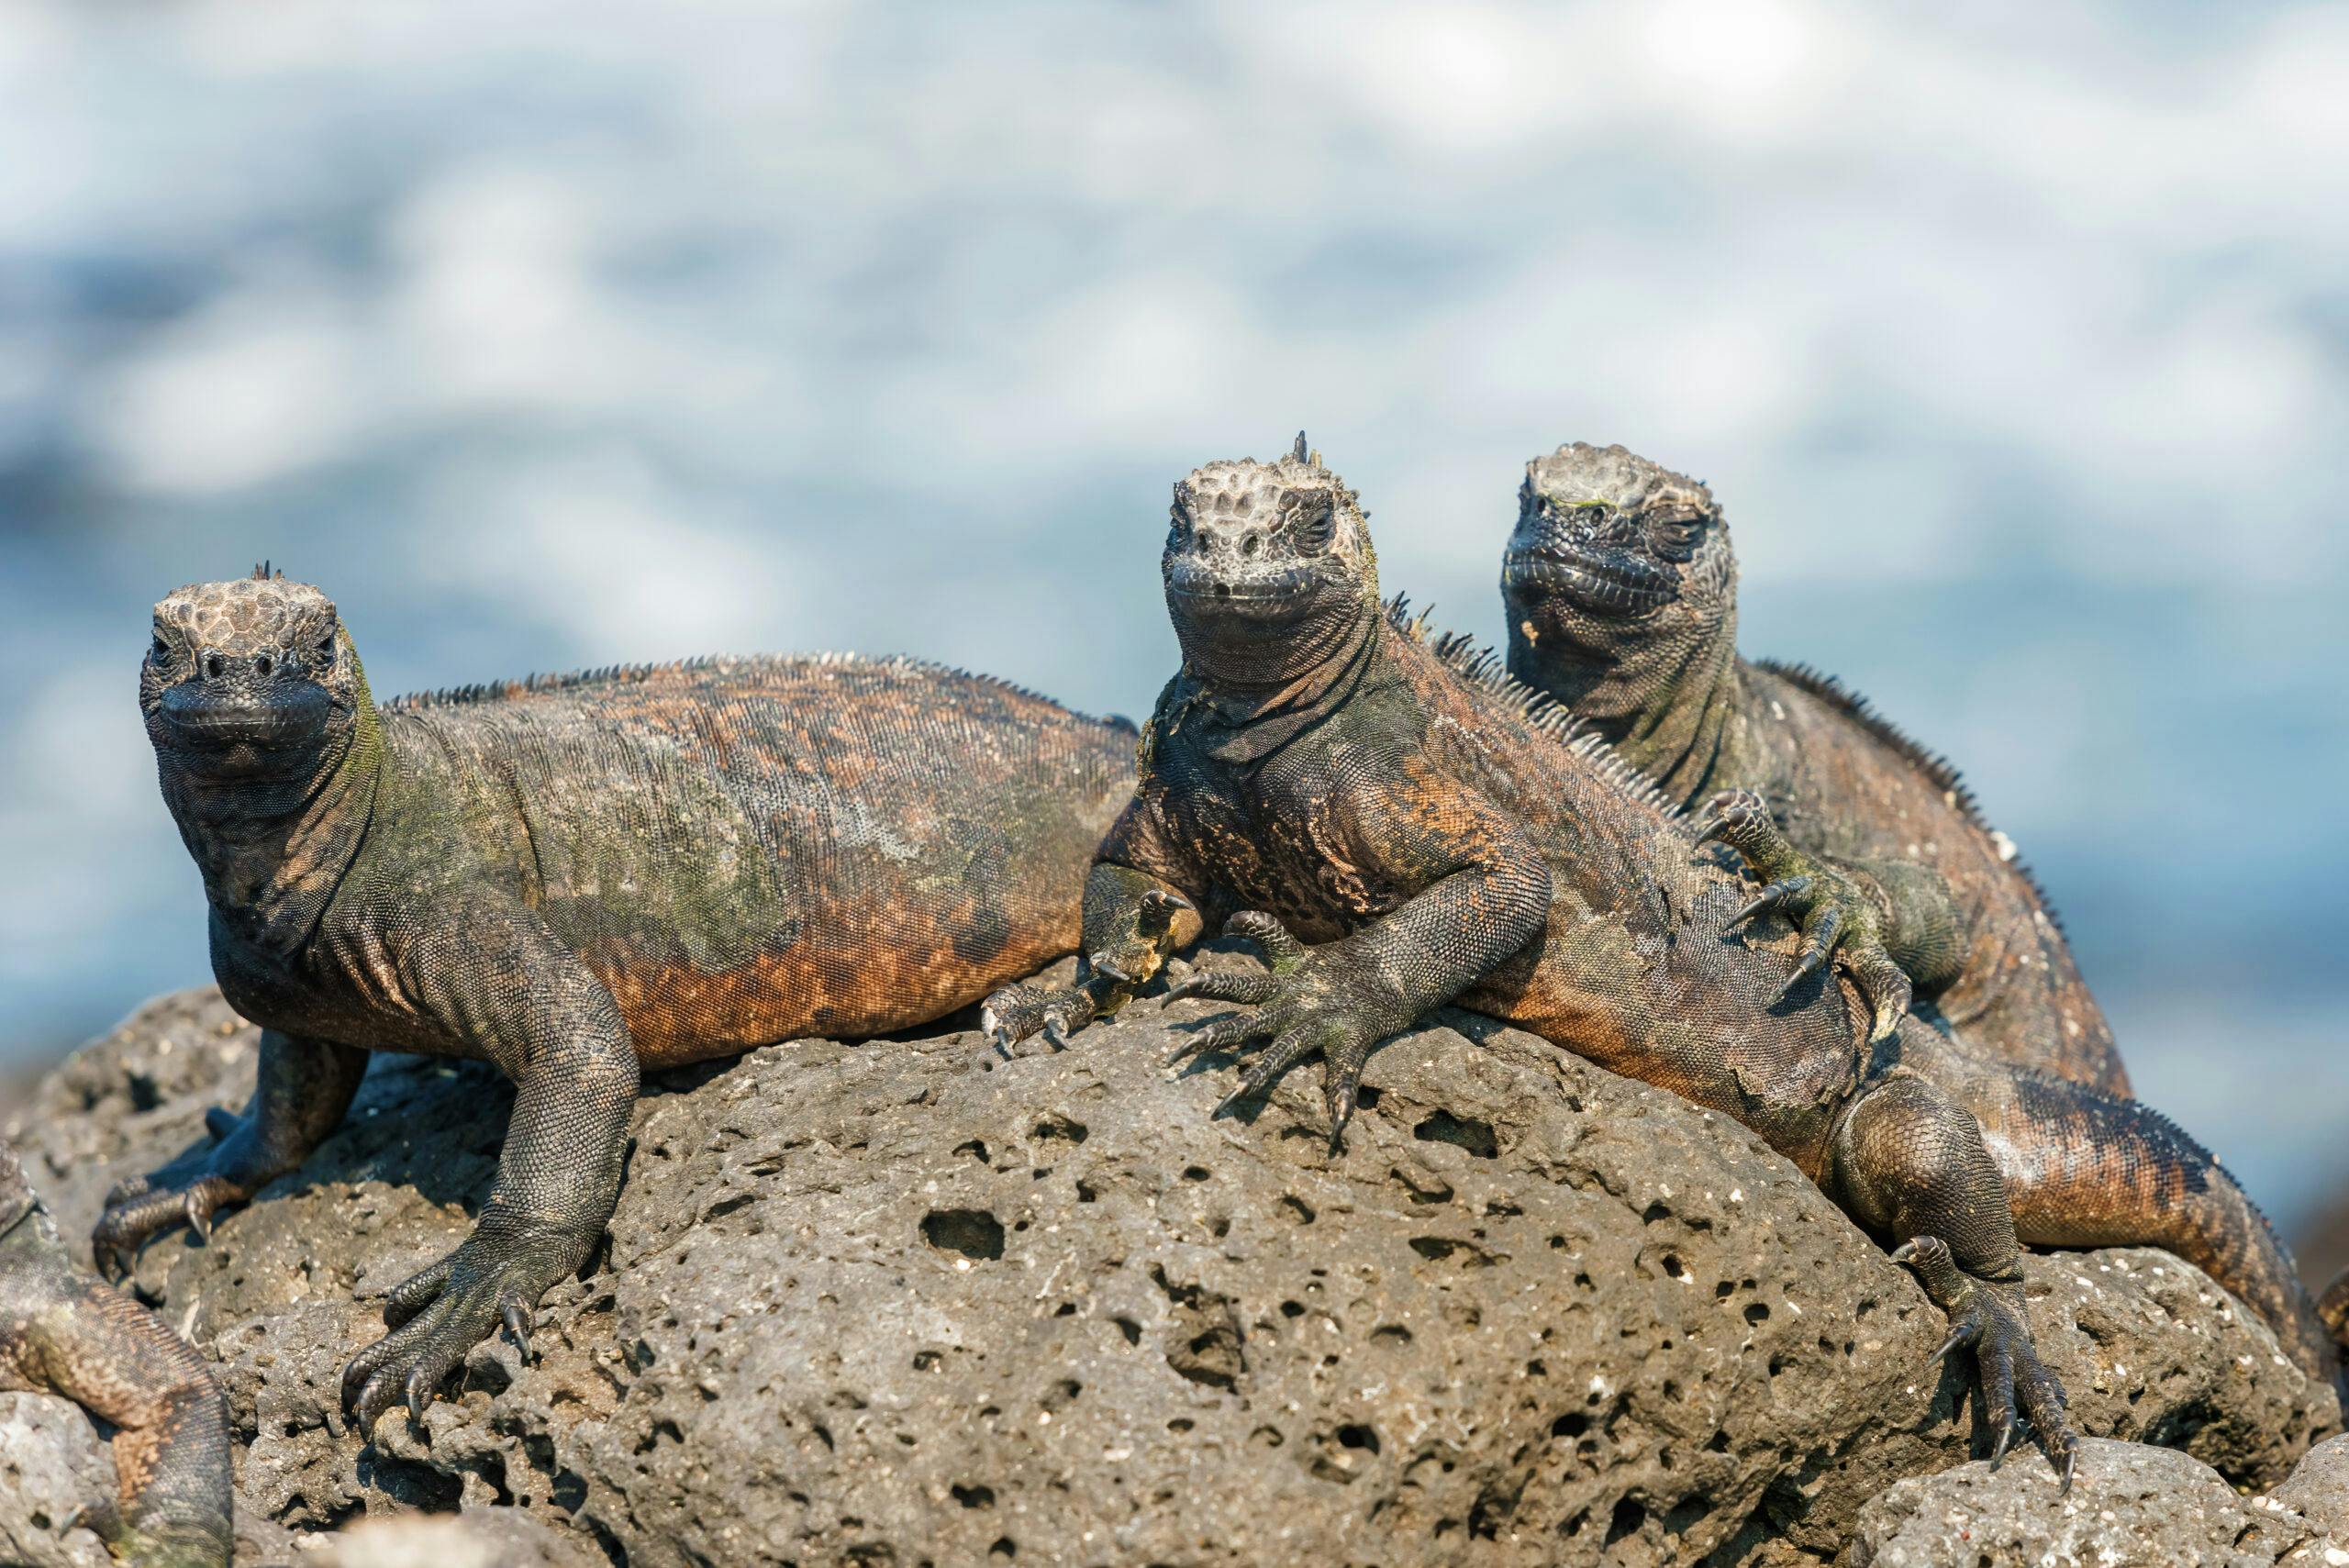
(973, 1232)
(1476, 1136)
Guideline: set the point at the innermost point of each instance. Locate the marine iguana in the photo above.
(1621, 591)
(63, 1332)
(573, 877)
(1320, 771)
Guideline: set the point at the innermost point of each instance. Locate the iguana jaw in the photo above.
(1599, 581)
(1277, 597)
(238, 735)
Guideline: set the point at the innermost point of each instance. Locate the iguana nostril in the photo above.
(1248, 545)
(212, 666)
(263, 664)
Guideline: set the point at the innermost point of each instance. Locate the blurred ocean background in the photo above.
(2014, 337)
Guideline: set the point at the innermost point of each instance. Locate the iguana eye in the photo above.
(1314, 523)
(1675, 538)
(159, 652)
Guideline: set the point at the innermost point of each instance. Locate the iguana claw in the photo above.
(1837, 917)
(1310, 1000)
(518, 1324)
(443, 1312)
(1015, 1012)
(2006, 1362)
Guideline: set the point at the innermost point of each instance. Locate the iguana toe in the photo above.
(138, 1210)
(1225, 985)
(1789, 894)
(518, 1324)
(443, 1313)
(2013, 1381)
(1307, 1001)
(1885, 987)
(1820, 932)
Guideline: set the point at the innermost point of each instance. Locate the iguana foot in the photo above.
(441, 1314)
(1837, 916)
(1113, 972)
(1017, 1011)
(141, 1208)
(1312, 1000)
(1990, 1320)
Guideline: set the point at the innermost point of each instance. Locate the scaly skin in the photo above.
(63, 1332)
(1321, 774)
(1622, 592)
(574, 878)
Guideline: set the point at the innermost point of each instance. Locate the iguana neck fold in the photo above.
(1245, 716)
(1664, 706)
(272, 855)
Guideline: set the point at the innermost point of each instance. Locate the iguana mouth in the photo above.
(227, 726)
(1598, 580)
(1263, 596)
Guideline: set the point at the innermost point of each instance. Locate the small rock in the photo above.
(2319, 1492)
(52, 1463)
(481, 1538)
(2132, 1504)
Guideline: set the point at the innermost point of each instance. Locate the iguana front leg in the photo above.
(1910, 1161)
(1484, 893)
(302, 1088)
(1132, 920)
(1893, 927)
(496, 978)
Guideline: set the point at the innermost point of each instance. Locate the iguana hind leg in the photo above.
(1910, 1161)
(2085, 1169)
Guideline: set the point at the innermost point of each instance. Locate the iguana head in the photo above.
(250, 679)
(1268, 567)
(1616, 561)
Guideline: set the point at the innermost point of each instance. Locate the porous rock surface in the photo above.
(910, 1302)
(51, 1464)
(2319, 1492)
(2130, 1504)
